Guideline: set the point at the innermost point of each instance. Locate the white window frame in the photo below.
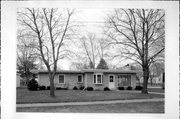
(81, 78)
(64, 78)
(96, 75)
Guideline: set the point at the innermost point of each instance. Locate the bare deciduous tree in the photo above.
(91, 50)
(52, 28)
(139, 33)
(103, 48)
(26, 56)
(89, 47)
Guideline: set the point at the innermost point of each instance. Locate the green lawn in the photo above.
(144, 107)
(26, 96)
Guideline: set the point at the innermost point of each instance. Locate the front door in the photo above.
(111, 82)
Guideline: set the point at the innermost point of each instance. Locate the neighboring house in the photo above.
(20, 82)
(18, 79)
(154, 79)
(96, 78)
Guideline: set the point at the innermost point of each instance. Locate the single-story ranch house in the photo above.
(96, 78)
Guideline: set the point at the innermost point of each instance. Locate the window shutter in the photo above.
(102, 78)
(94, 78)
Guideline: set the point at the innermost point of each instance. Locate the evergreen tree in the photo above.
(102, 64)
(24, 67)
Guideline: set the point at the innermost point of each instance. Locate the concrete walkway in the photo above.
(148, 92)
(155, 87)
(156, 93)
(90, 103)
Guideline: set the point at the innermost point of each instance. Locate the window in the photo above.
(80, 80)
(124, 80)
(98, 79)
(111, 78)
(61, 79)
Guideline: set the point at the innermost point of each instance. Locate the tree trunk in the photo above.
(151, 81)
(145, 81)
(27, 79)
(52, 88)
(139, 81)
(163, 80)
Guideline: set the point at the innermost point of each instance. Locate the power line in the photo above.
(90, 21)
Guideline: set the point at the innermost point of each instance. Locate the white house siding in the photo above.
(90, 82)
(43, 79)
(71, 80)
(116, 80)
(85, 80)
(89, 79)
(105, 80)
(133, 81)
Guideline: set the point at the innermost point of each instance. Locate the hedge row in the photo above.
(36, 87)
(125, 88)
(130, 88)
(33, 86)
(80, 88)
(138, 88)
(89, 88)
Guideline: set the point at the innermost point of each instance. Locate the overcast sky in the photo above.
(93, 19)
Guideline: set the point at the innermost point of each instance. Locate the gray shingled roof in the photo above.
(90, 71)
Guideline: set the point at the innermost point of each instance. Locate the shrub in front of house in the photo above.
(42, 87)
(75, 88)
(106, 89)
(129, 88)
(58, 88)
(138, 88)
(64, 88)
(121, 88)
(81, 88)
(163, 86)
(48, 88)
(32, 85)
(89, 88)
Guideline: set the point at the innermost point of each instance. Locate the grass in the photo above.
(158, 90)
(26, 96)
(144, 107)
